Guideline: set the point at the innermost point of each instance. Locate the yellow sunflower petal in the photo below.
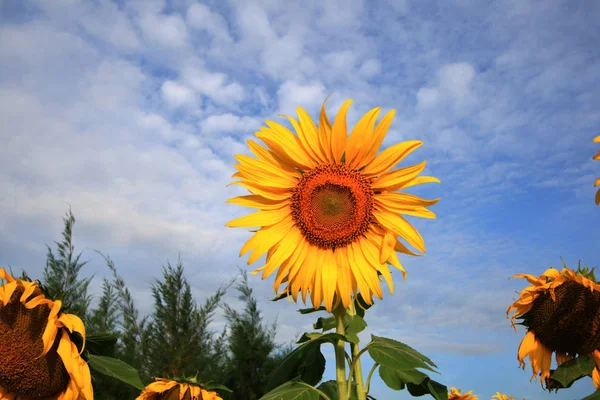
(596, 378)
(269, 193)
(597, 199)
(256, 201)
(9, 289)
(339, 132)
(51, 329)
(266, 238)
(374, 141)
(391, 156)
(29, 289)
(419, 180)
(358, 142)
(597, 183)
(285, 249)
(596, 139)
(307, 133)
(597, 156)
(372, 256)
(285, 144)
(69, 358)
(325, 130)
(329, 277)
(400, 227)
(5, 275)
(344, 283)
(404, 199)
(399, 177)
(273, 159)
(261, 218)
(527, 346)
(74, 324)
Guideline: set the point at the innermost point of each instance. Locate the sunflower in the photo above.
(457, 395)
(39, 359)
(561, 313)
(167, 389)
(500, 396)
(597, 183)
(329, 207)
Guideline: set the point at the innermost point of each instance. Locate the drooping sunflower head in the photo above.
(561, 311)
(597, 183)
(167, 389)
(455, 394)
(330, 207)
(38, 357)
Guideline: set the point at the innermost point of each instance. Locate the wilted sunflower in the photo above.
(597, 183)
(166, 389)
(561, 311)
(456, 395)
(38, 359)
(330, 210)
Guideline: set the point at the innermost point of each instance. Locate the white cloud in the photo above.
(177, 95)
(308, 96)
(370, 68)
(200, 16)
(427, 97)
(213, 85)
(456, 79)
(230, 123)
(164, 30)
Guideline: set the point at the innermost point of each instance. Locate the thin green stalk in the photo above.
(373, 368)
(340, 354)
(358, 378)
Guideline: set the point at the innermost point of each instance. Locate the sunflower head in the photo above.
(42, 361)
(168, 389)
(561, 311)
(330, 211)
(597, 183)
(455, 394)
(500, 396)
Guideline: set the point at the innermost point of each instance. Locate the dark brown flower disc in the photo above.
(173, 394)
(571, 324)
(22, 370)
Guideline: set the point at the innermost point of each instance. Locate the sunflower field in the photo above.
(330, 207)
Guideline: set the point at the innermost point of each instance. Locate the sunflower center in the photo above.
(571, 324)
(332, 205)
(21, 371)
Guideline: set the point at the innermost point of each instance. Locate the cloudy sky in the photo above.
(131, 112)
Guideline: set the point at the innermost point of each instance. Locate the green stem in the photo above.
(358, 378)
(373, 368)
(340, 354)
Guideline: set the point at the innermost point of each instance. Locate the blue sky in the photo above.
(131, 112)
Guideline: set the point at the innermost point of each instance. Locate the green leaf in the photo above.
(361, 305)
(570, 371)
(428, 386)
(355, 325)
(116, 369)
(397, 380)
(211, 386)
(325, 323)
(593, 396)
(293, 390)
(396, 355)
(306, 361)
(101, 344)
(311, 310)
(330, 389)
(280, 297)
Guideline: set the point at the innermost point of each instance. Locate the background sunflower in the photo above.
(39, 359)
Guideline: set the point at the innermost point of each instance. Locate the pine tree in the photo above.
(61, 274)
(251, 345)
(180, 341)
